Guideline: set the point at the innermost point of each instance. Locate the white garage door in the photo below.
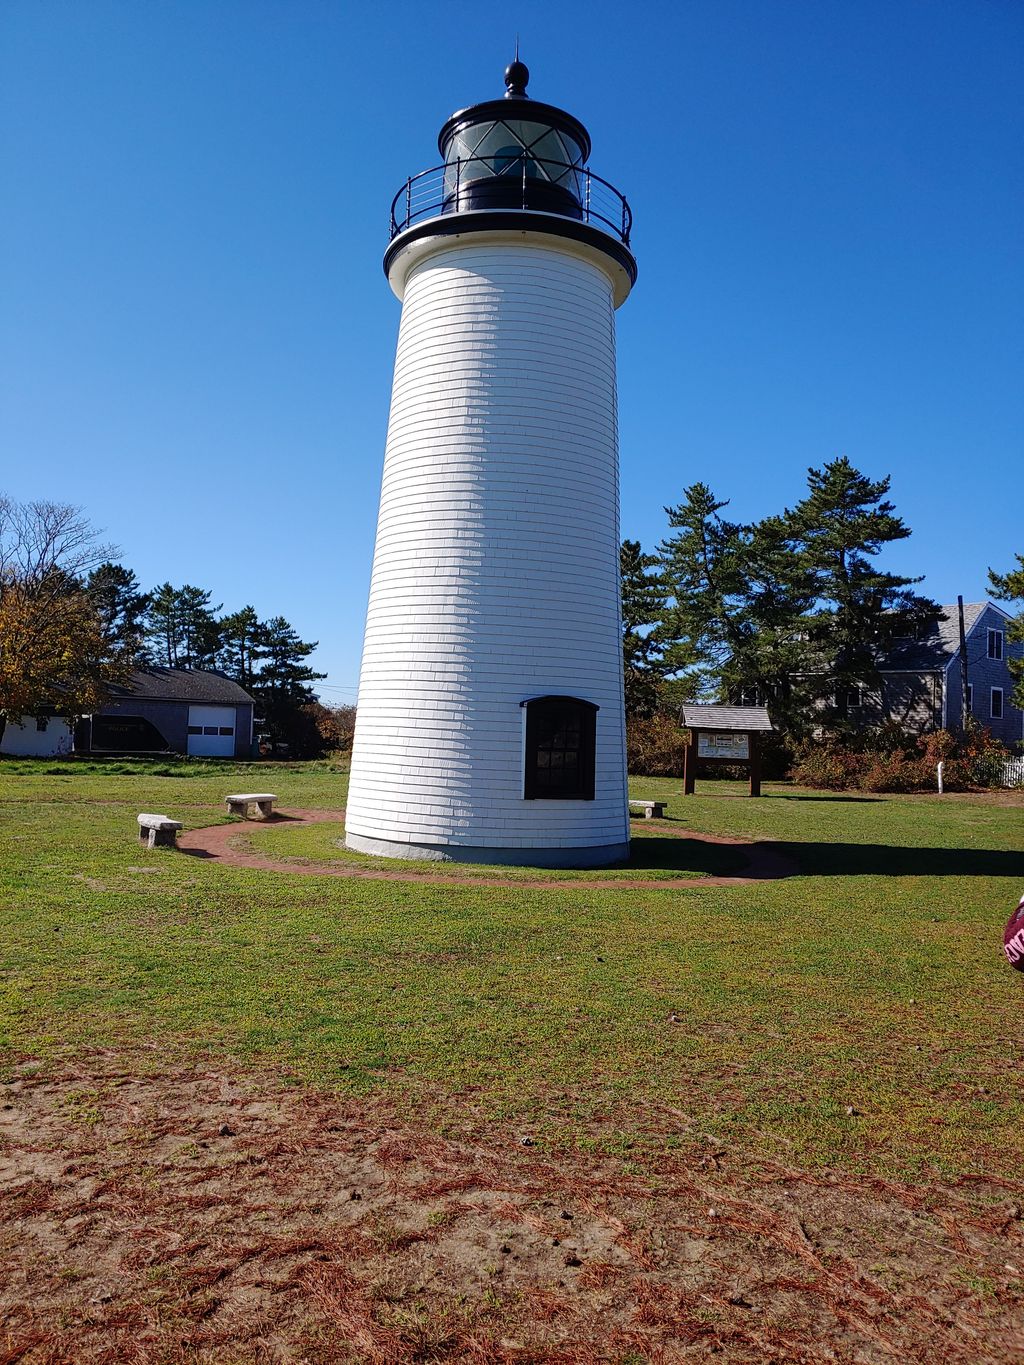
(211, 731)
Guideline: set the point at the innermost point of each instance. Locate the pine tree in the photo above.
(163, 625)
(182, 626)
(240, 651)
(702, 565)
(644, 599)
(282, 688)
(283, 671)
(200, 633)
(860, 611)
(1009, 587)
(778, 592)
(738, 594)
(121, 607)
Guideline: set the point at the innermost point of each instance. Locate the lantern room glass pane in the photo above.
(515, 148)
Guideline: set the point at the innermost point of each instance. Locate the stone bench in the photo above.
(158, 829)
(251, 805)
(653, 810)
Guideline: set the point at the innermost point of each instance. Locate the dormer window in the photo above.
(561, 743)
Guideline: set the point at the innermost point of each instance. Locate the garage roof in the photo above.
(182, 684)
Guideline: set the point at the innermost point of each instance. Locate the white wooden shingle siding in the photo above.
(495, 575)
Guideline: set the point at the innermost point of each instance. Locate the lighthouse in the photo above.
(490, 724)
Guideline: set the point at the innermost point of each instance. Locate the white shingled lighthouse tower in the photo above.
(490, 725)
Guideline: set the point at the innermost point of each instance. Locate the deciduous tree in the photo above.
(53, 652)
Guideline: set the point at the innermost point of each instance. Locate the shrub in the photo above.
(828, 765)
(890, 763)
(656, 745)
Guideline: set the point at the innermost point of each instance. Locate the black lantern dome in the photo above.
(513, 162)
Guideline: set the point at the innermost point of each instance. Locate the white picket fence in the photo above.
(1013, 772)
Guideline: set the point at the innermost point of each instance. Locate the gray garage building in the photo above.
(172, 710)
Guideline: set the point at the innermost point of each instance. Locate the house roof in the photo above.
(726, 717)
(181, 684)
(939, 643)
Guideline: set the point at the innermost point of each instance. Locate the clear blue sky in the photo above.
(197, 337)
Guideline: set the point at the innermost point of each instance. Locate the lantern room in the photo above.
(512, 163)
(514, 153)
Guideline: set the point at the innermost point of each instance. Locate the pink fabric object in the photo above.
(1013, 938)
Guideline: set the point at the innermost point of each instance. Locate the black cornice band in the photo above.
(513, 220)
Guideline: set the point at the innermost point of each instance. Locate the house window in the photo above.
(995, 709)
(195, 729)
(749, 696)
(849, 697)
(561, 741)
(226, 730)
(995, 644)
(209, 729)
(970, 697)
(41, 723)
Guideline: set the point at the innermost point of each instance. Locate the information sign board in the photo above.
(723, 744)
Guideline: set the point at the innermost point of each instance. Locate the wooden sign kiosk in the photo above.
(724, 734)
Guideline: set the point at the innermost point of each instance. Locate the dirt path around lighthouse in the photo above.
(223, 844)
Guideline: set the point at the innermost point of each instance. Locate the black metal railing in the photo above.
(521, 182)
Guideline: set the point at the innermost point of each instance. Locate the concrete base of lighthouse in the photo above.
(602, 855)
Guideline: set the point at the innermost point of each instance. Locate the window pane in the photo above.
(560, 742)
(558, 146)
(469, 147)
(226, 730)
(554, 159)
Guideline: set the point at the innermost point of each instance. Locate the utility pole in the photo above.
(965, 710)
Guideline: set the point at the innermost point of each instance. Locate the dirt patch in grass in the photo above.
(158, 1212)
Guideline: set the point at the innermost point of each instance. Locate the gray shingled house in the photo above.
(921, 683)
(172, 710)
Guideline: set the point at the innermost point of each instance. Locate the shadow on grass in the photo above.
(885, 860)
(650, 853)
(702, 791)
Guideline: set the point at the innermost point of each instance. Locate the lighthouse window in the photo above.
(561, 735)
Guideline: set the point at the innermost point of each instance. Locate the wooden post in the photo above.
(690, 765)
(754, 749)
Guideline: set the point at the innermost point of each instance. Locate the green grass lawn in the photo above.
(858, 1014)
